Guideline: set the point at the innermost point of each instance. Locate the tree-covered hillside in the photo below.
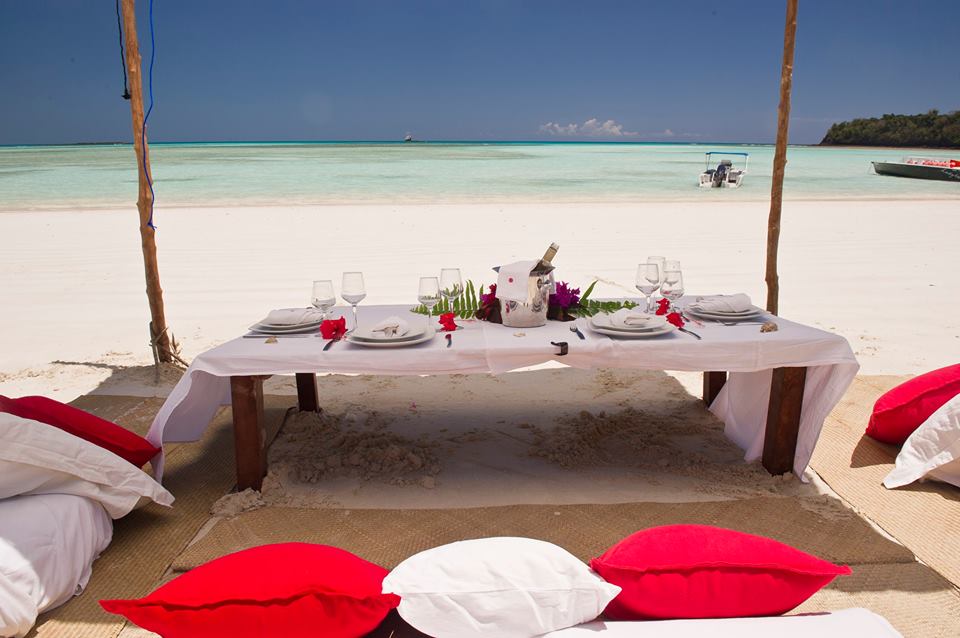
(932, 129)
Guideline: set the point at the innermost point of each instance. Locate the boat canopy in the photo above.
(746, 157)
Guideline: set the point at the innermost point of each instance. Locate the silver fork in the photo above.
(740, 323)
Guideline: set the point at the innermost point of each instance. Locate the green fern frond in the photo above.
(464, 307)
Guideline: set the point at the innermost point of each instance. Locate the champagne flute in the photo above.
(323, 298)
(429, 294)
(672, 287)
(353, 291)
(648, 281)
(451, 285)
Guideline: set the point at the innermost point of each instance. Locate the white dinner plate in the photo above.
(706, 314)
(426, 336)
(259, 328)
(603, 321)
(648, 334)
(267, 324)
(366, 334)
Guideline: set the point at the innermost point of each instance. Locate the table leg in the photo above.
(308, 398)
(249, 435)
(783, 419)
(712, 382)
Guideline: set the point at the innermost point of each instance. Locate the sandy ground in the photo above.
(541, 436)
(74, 320)
(883, 274)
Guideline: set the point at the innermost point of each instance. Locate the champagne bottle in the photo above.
(546, 262)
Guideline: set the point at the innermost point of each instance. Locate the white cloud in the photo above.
(591, 128)
(667, 133)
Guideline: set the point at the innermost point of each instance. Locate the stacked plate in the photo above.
(369, 339)
(724, 315)
(655, 326)
(265, 328)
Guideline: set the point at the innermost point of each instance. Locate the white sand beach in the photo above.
(882, 274)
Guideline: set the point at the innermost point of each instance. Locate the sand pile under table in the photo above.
(456, 441)
(314, 447)
(670, 439)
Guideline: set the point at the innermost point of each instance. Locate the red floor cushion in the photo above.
(903, 409)
(110, 436)
(288, 589)
(698, 571)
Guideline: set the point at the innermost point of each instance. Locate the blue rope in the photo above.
(146, 116)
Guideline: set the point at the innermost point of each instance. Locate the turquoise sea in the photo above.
(256, 174)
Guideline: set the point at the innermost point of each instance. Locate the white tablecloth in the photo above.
(483, 347)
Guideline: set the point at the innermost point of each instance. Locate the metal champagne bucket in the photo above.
(532, 312)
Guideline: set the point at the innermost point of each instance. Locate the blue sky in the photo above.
(473, 70)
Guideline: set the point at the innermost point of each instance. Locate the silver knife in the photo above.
(331, 342)
(693, 334)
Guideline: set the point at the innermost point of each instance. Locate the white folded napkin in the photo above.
(632, 318)
(391, 327)
(722, 303)
(513, 279)
(293, 316)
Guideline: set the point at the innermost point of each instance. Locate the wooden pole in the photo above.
(780, 158)
(158, 323)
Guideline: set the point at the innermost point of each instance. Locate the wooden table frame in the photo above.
(249, 435)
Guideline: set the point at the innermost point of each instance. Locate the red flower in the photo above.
(675, 319)
(333, 328)
(490, 297)
(446, 320)
(662, 306)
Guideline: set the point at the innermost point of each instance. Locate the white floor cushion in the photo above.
(849, 623)
(503, 587)
(48, 544)
(36, 458)
(932, 451)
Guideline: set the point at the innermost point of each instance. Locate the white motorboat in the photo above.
(725, 175)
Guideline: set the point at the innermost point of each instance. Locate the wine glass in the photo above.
(648, 281)
(323, 298)
(672, 287)
(671, 275)
(429, 294)
(671, 265)
(451, 285)
(353, 291)
(660, 262)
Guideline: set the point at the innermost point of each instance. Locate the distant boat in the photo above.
(941, 169)
(408, 137)
(725, 175)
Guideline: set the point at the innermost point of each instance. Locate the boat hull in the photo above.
(917, 171)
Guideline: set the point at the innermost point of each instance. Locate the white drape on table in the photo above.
(481, 347)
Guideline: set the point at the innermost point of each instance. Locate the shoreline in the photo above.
(514, 201)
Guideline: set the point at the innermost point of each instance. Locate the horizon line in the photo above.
(400, 142)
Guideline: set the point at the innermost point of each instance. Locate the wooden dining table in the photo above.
(773, 390)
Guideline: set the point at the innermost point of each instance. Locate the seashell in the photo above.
(769, 327)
